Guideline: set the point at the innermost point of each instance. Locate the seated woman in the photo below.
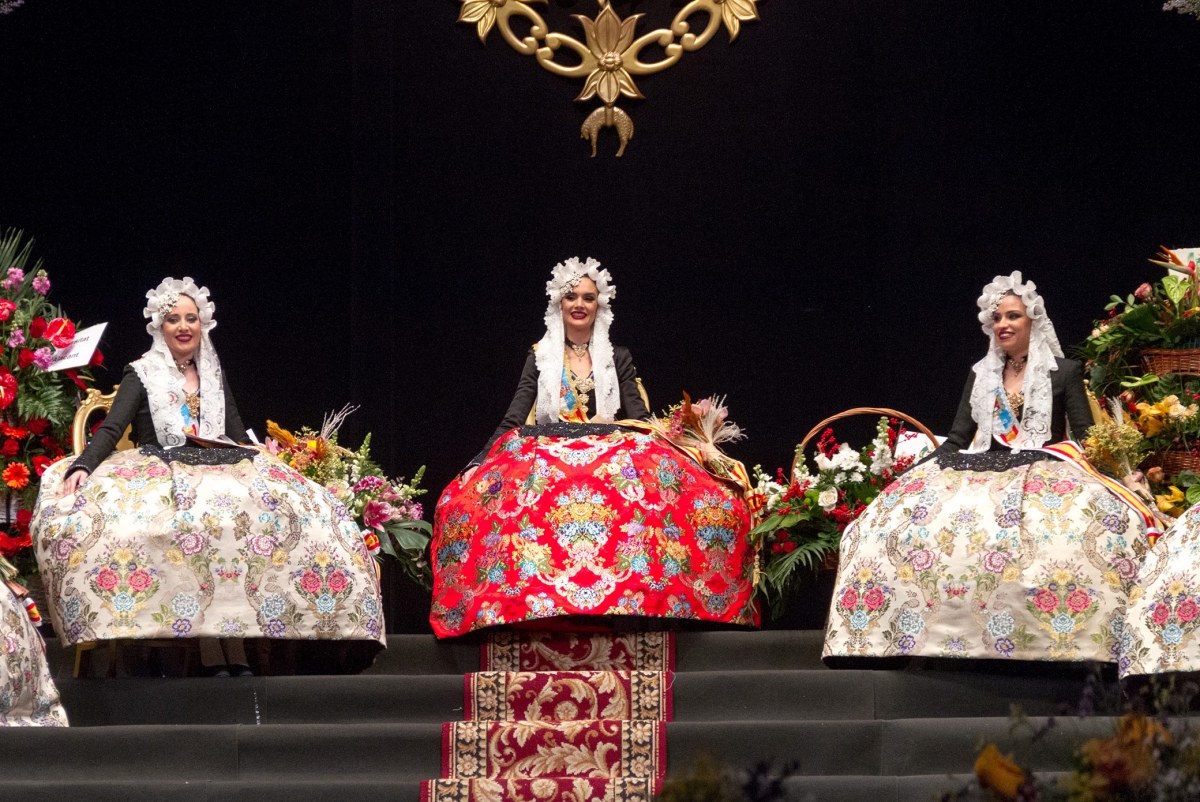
(577, 514)
(174, 541)
(28, 697)
(993, 547)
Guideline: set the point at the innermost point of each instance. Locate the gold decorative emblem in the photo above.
(610, 54)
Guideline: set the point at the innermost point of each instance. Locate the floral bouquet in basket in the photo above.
(804, 518)
(385, 509)
(37, 405)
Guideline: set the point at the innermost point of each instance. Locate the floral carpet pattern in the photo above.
(584, 733)
(1036, 562)
(603, 524)
(157, 549)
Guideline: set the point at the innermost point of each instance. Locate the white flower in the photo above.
(823, 462)
(828, 499)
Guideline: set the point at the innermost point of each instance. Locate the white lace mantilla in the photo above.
(989, 371)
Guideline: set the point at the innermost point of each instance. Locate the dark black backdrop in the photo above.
(802, 221)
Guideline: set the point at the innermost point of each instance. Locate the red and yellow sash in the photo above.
(1070, 451)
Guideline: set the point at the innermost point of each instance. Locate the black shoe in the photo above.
(216, 671)
(238, 670)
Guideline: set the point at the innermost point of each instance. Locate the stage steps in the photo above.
(739, 696)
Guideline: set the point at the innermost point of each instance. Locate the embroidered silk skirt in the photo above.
(982, 556)
(574, 519)
(1164, 609)
(158, 544)
(28, 697)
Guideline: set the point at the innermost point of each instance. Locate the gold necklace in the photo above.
(182, 366)
(1016, 400)
(582, 388)
(580, 350)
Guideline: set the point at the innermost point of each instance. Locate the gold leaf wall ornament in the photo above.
(610, 55)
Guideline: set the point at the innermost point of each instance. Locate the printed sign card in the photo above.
(78, 353)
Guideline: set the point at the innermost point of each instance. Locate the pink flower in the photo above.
(262, 545)
(42, 357)
(368, 483)
(157, 471)
(15, 276)
(6, 309)
(337, 582)
(125, 473)
(16, 339)
(106, 579)
(1079, 601)
(190, 543)
(995, 561)
(849, 599)
(914, 487)
(62, 550)
(1045, 601)
(1126, 568)
(1062, 487)
(874, 599)
(41, 284)
(139, 580)
(1161, 613)
(1187, 611)
(1034, 486)
(376, 514)
(310, 582)
(1143, 292)
(922, 559)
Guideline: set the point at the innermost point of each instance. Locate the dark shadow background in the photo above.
(802, 221)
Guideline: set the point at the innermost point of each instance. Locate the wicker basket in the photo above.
(891, 413)
(1180, 361)
(1174, 461)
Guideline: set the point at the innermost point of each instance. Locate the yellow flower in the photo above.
(999, 773)
(608, 37)
(122, 556)
(905, 572)
(864, 574)
(1135, 594)
(1011, 573)
(175, 556)
(1169, 502)
(279, 557)
(1152, 417)
(1112, 578)
(1175, 588)
(1062, 576)
(322, 558)
(76, 559)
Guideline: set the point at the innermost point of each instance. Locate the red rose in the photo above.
(23, 518)
(37, 327)
(1079, 601)
(874, 599)
(1161, 613)
(60, 332)
(8, 387)
(849, 599)
(1187, 611)
(25, 358)
(73, 375)
(1045, 601)
(97, 359)
(1143, 292)
(6, 309)
(10, 448)
(41, 463)
(51, 445)
(37, 425)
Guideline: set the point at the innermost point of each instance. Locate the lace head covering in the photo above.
(550, 349)
(989, 371)
(163, 381)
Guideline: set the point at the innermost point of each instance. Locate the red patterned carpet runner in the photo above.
(560, 716)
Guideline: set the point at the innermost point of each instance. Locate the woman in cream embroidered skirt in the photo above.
(155, 547)
(28, 697)
(592, 519)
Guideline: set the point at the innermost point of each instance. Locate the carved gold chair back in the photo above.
(531, 418)
(92, 402)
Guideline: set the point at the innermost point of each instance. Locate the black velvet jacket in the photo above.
(132, 407)
(631, 408)
(1070, 407)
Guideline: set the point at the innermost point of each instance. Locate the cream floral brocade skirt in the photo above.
(164, 549)
(1035, 562)
(28, 697)
(1163, 621)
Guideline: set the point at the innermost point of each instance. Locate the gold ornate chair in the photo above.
(94, 402)
(531, 419)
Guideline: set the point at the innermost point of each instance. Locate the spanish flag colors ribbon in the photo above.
(1070, 451)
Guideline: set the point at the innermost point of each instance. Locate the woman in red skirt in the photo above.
(586, 512)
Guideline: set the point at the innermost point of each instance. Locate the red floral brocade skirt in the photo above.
(608, 521)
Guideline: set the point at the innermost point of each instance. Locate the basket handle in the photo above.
(849, 413)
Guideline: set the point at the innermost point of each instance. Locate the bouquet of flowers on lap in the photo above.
(385, 509)
(700, 428)
(805, 516)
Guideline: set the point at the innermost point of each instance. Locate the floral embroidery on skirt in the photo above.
(1035, 563)
(28, 697)
(155, 549)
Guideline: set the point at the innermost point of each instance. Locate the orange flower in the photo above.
(16, 475)
(999, 773)
(280, 434)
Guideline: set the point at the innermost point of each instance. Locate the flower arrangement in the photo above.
(701, 427)
(37, 405)
(804, 518)
(385, 509)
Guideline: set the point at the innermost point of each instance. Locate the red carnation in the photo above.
(49, 443)
(60, 332)
(8, 387)
(97, 359)
(37, 327)
(37, 425)
(25, 358)
(6, 309)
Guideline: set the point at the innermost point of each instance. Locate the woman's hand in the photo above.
(467, 474)
(76, 480)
